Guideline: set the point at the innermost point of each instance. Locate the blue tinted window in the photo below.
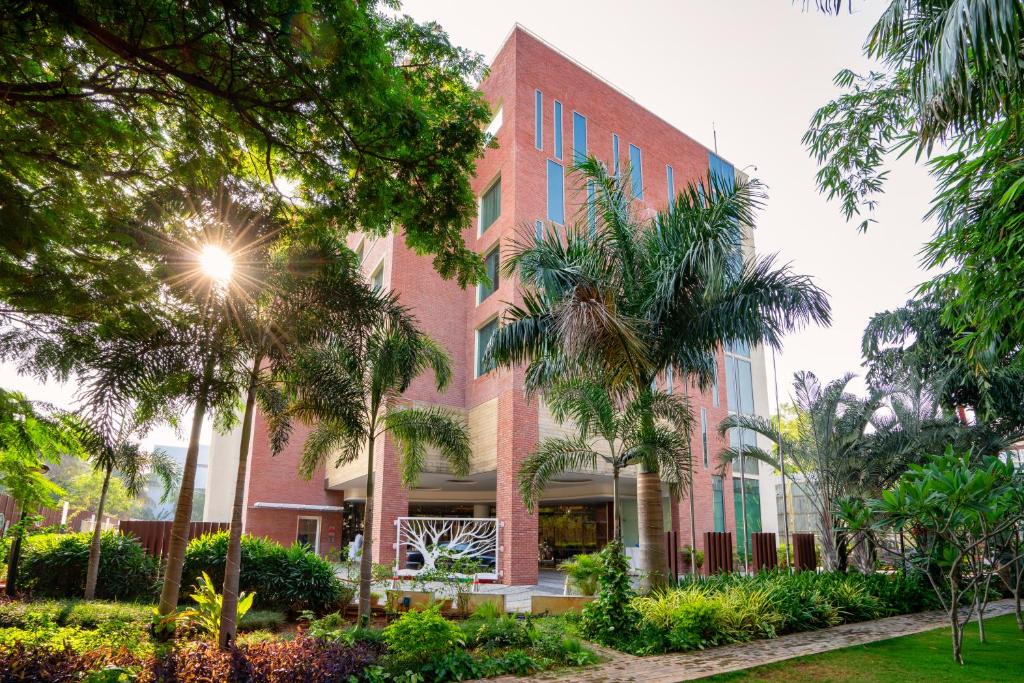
(579, 138)
(615, 154)
(538, 229)
(671, 178)
(718, 504)
(636, 172)
(538, 125)
(558, 129)
(721, 171)
(556, 193)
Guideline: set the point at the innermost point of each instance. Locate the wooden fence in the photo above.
(155, 536)
(717, 552)
(804, 557)
(766, 555)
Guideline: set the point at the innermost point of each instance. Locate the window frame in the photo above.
(319, 527)
(480, 297)
(547, 190)
(559, 133)
(577, 154)
(478, 372)
(636, 172)
(480, 229)
(538, 120)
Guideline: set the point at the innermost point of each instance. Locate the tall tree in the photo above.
(952, 73)
(350, 387)
(627, 294)
(118, 452)
(609, 430)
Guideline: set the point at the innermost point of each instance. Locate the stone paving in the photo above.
(693, 665)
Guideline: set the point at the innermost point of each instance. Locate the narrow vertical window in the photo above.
(492, 264)
(718, 503)
(538, 230)
(592, 208)
(377, 281)
(538, 120)
(636, 172)
(704, 435)
(715, 401)
(671, 180)
(490, 206)
(556, 193)
(669, 380)
(579, 138)
(483, 340)
(558, 129)
(615, 154)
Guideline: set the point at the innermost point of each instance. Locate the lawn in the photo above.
(922, 657)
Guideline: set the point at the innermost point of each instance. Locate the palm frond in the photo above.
(417, 429)
(553, 457)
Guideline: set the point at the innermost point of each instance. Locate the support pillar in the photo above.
(517, 438)
(390, 501)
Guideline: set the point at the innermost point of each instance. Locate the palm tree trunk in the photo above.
(652, 530)
(616, 507)
(93, 571)
(233, 561)
(366, 559)
(183, 511)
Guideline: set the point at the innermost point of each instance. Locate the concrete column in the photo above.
(390, 501)
(517, 437)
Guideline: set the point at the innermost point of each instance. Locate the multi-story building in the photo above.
(548, 110)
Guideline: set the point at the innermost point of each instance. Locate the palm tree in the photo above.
(826, 457)
(624, 295)
(350, 387)
(608, 430)
(117, 452)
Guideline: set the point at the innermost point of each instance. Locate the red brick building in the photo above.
(546, 108)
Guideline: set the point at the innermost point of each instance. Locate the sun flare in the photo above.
(217, 264)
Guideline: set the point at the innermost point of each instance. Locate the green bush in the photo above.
(583, 572)
(54, 566)
(20, 613)
(609, 620)
(261, 620)
(421, 636)
(287, 579)
(504, 632)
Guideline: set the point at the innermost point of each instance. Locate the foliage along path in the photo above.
(688, 666)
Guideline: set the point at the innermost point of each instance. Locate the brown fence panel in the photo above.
(155, 536)
(717, 552)
(804, 558)
(765, 554)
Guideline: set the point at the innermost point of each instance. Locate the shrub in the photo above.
(503, 632)
(205, 617)
(301, 659)
(54, 566)
(261, 620)
(583, 572)
(609, 619)
(420, 636)
(20, 663)
(287, 579)
(21, 613)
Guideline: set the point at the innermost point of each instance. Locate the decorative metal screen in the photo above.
(425, 541)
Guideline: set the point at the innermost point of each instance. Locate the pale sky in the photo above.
(757, 70)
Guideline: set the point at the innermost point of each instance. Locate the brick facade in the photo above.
(452, 315)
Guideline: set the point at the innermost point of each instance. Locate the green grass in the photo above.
(922, 657)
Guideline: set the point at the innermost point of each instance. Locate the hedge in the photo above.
(54, 566)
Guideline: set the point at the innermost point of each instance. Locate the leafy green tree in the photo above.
(955, 506)
(350, 388)
(952, 73)
(624, 295)
(365, 116)
(29, 439)
(608, 429)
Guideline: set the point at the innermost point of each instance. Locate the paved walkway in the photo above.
(693, 665)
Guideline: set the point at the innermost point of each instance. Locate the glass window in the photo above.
(359, 252)
(490, 206)
(718, 503)
(538, 229)
(669, 380)
(636, 172)
(592, 208)
(615, 154)
(558, 129)
(378, 277)
(483, 339)
(738, 348)
(579, 137)
(749, 438)
(714, 387)
(671, 179)
(704, 436)
(556, 193)
(538, 123)
(491, 264)
(746, 384)
(753, 497)
(308, 533)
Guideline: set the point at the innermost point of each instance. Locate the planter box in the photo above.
(559, 604)
(477, 599)
(396, 599)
